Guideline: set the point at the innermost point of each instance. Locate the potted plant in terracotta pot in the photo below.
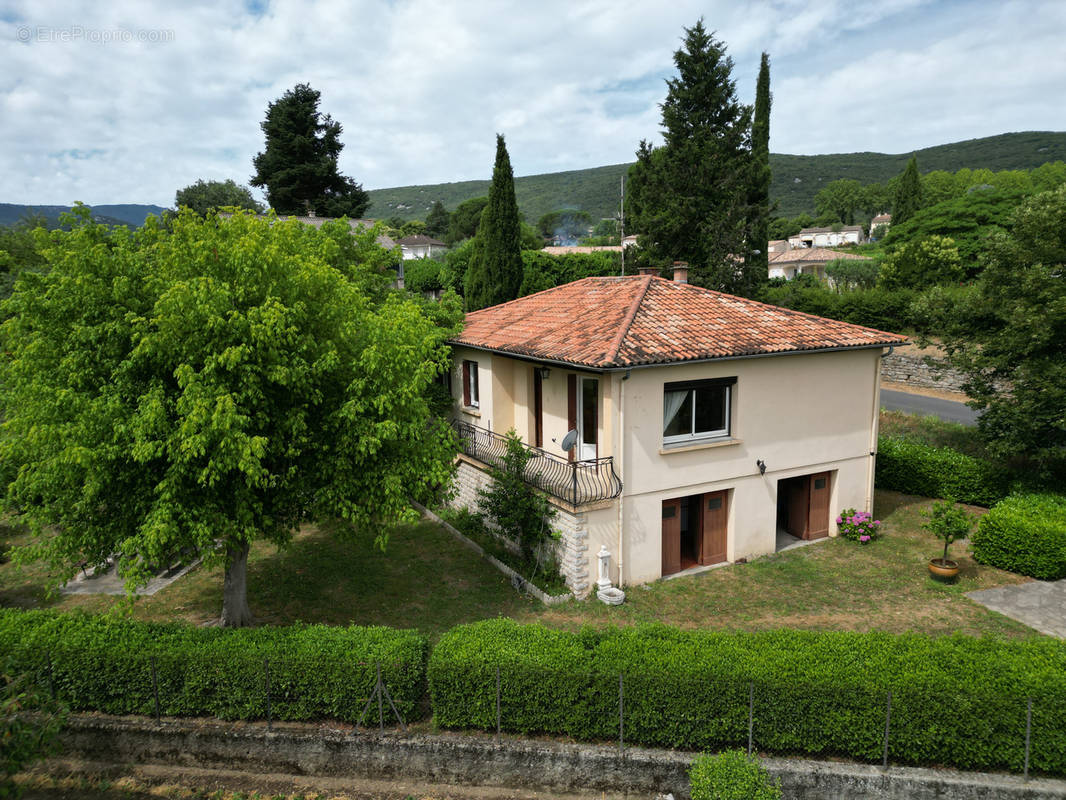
(947, 522)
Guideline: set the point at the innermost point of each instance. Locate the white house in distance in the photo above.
(709, 428)
(807, 261)
(882, 222)
(419, 246)
(826, 237)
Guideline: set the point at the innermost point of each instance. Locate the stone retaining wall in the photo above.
(520, 764)
(911, 369)
(572, 549)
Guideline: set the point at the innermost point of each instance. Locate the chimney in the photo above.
(680, 272)
(648, 271)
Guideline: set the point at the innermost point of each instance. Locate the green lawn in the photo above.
(426, 580)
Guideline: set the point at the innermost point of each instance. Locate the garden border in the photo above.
(517, 580)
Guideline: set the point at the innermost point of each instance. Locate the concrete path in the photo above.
(1038, 604)
(107, 581)
(949, 410)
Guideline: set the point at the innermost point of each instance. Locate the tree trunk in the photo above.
(235, 612)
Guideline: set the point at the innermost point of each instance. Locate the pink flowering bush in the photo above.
(859, 526)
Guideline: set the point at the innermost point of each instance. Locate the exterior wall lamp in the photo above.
(761, 465)
(544, 372)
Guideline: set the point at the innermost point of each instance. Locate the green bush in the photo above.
(732, 775)
(105, 664)
(916, 468)
(955, 700)
(1025, 533)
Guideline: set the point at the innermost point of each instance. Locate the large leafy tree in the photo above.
(1007, 336)
(437, 220)
(495, 271)
(840, 200)
(465, 220)
(188, 389)
(204, 196)
(298, 167)
(908, 198)
(759, 202)
(689, 198)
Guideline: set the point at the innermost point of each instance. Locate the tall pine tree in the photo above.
(908, 193)
(757, 257)
(298, 167)
(495, 272)
(689, 198)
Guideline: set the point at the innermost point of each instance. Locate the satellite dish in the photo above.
(569, 441)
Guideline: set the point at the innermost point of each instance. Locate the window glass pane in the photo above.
(589, 423)
(680, 424)
(710, 409)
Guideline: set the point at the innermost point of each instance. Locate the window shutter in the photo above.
(571, 408)
(466, 384)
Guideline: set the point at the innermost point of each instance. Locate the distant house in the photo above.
(827, 237)
(563, 250)
(806, 261)
(420, 246)
(777, 246)
(882, 222)
(630, 241)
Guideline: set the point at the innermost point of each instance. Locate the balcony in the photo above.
(575, 482)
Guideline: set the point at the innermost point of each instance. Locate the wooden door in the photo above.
(671, 536)
(714, 514)
(818, 517)
(799, 506)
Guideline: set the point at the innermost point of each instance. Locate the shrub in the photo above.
(1026, 534)
(105, 664)
(955, 700)
(915, 468)
(859, 526)
(732, 775)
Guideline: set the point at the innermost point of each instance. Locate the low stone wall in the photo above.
(912, 369)
(477, 760)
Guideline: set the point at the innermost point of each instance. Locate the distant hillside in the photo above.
(124, 214)
(796, 179)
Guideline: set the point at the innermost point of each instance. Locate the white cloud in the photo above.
(421, 87)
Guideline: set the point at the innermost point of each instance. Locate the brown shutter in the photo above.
(571, 409)
(466, 384)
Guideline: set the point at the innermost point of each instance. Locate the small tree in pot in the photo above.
(947, 522)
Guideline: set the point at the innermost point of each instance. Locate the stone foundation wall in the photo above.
(572, 548)
(912, 370)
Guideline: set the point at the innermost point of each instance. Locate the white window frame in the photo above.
(471, 383)
(693, 436)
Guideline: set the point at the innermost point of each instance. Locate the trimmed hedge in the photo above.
(916, 468)
(955, 700)
(105, 664)
(732, 775)
(1024, 533)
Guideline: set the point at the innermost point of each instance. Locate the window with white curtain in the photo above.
(696, 410)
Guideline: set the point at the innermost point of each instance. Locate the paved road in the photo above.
(928, 406)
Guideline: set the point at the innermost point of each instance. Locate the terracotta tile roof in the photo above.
(634, 320)
(881, 218)
(420, 239)
(841, 229)
(562, 249)
(815, 254)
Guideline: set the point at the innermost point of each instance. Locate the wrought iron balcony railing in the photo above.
(575, 482)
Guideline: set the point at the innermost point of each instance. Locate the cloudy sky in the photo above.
(119, 101)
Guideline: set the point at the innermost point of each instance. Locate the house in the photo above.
(777, 246)
(564, 250)
(827, 237)
(708, 428)
(419, 246)
(807, 261)
(879, 226)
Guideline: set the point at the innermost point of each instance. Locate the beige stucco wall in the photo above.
(800, 414)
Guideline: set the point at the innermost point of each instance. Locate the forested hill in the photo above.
(123, 214)
(796, 179)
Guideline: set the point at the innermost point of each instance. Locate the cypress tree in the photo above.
(495, 272)
(690, 197)
(760, 184)
(908, 193)
(437, 220)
